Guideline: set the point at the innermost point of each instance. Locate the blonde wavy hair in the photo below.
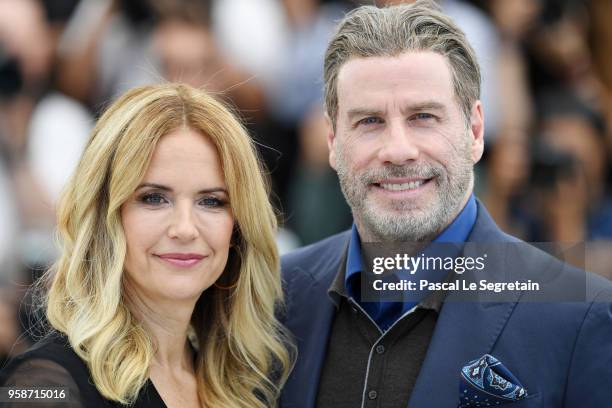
(244, 354)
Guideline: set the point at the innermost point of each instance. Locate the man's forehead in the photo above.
(413, 77)
(410, 63)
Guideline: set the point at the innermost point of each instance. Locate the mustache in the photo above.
(397, 171)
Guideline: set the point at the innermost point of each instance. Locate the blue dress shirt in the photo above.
(385, 313)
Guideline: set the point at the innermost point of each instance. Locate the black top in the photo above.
(366, 366)
(53, 363)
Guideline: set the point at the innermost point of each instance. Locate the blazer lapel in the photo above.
(311, 313)
(311, 335)
(465, 331)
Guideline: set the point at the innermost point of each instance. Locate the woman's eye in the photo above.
(153, 199)
(213, 202)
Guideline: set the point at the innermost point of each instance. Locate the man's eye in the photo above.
(423, 116)
(153, 199)
(213, 202)
(370, 120)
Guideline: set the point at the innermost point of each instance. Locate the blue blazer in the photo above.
(561, 352)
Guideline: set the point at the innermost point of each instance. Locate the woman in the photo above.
(168, 280)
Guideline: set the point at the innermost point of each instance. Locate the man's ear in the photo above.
(476, 131)
(331, 139)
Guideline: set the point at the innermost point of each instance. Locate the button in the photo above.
(372, 395)
(380, 349)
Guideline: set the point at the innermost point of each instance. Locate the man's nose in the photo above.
(398, 144)
(183, 223)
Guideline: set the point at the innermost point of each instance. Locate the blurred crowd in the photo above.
(547, 93)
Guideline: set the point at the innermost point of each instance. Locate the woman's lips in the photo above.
(181, 260)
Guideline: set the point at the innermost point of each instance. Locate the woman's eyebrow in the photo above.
(169, 189)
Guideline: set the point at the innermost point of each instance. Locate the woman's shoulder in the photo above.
(55, 348)
(52, 363)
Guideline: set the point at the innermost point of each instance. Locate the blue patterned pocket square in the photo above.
(486, 382)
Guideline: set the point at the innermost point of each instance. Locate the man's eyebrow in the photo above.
(355, 112)
(423, 106)
(419, 106)
(168, 189)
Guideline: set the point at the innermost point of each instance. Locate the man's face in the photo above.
(402, 147)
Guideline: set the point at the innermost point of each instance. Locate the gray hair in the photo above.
(369, 31)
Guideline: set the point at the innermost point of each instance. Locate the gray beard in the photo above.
(403, 222)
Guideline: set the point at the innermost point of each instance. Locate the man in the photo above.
(402, 92)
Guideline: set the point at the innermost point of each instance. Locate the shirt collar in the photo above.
(460, 228)
(457, 231)
(354, 262)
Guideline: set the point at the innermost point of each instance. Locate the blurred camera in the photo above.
(10, 75)
(550, 165)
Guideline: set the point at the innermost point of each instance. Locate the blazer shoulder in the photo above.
(317, 259)
(529, 260)
(539, 261)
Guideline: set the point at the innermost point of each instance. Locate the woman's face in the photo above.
(178, 223)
